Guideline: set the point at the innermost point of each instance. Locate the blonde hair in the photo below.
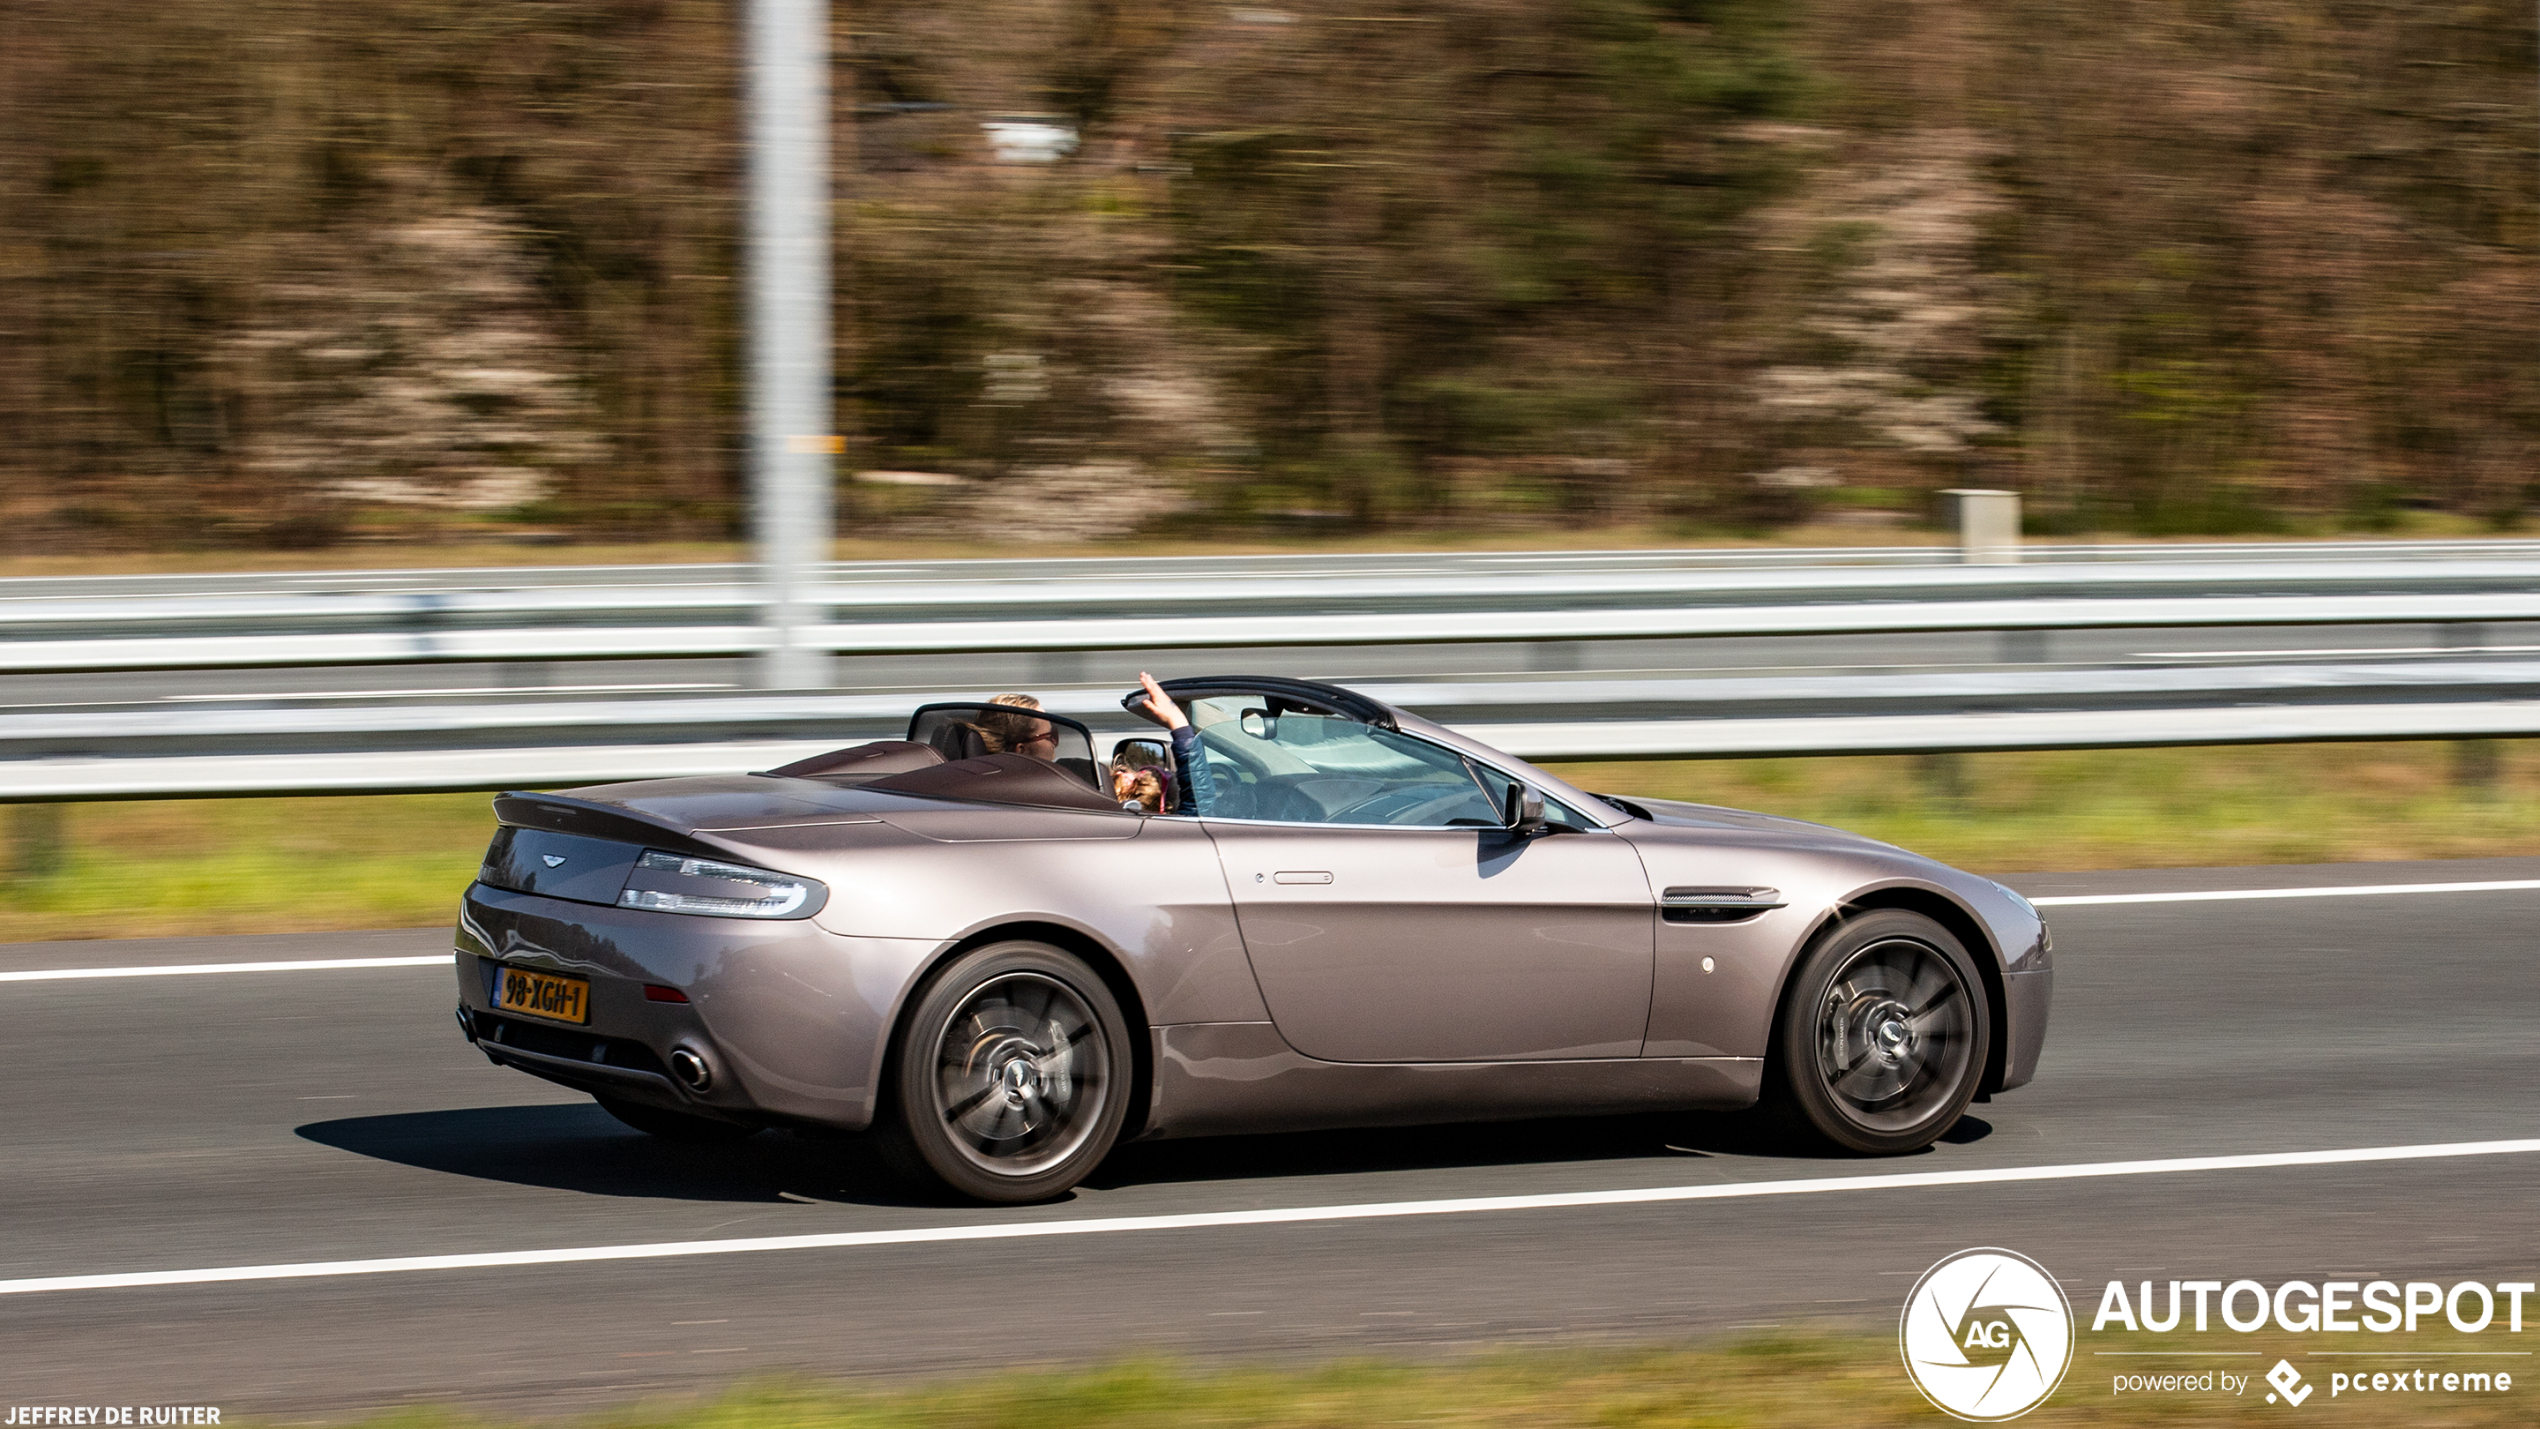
(1139, 754)
(1001, 731)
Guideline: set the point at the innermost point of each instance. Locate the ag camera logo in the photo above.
(1987, 1335)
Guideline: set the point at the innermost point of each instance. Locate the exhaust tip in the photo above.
(691, 1070)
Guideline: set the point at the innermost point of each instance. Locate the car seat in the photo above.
(956, 740)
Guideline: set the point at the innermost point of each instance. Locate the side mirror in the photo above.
(1522, 810)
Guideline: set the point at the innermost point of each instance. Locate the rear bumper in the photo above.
(574, 1056)
(790, 1020)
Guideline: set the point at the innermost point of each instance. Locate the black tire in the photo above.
(673, 1125)
(1011, 1077)
(1883, 1036)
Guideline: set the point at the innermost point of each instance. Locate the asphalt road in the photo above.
(166, 1123)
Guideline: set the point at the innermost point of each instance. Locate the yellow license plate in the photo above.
(558, 999)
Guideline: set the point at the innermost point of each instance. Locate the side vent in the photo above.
(1717, 905)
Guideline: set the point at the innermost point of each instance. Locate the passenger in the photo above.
(1198, 788)
(1017, 733)
(1141, 774)
(1139, 788)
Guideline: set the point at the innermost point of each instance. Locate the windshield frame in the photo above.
(1078, 748)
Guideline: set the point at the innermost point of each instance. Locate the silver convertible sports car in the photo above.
(1001, 955)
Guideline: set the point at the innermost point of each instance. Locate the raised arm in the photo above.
(1199, 788)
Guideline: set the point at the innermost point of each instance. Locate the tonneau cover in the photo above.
(998, 779)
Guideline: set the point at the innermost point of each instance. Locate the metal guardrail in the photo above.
(555, 767)
(400, 726)
(1107, 607)
(91, 754)
(560, 766)
(218, 746)
(1184, 632)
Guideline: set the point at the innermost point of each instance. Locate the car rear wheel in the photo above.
(1884, 1035)
(1011, 1079)
(672, 1125)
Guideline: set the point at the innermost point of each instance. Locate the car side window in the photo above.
(1299, 767)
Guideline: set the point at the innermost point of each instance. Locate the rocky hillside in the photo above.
(275, 275)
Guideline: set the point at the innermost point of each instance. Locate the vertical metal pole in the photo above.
(792, 429)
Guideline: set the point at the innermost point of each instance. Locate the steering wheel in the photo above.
(1283, 803)
(1419, 814)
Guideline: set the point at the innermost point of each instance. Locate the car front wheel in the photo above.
(1011, 1080)
(1884, 1035)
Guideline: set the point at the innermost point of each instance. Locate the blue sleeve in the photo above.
(1199, 787)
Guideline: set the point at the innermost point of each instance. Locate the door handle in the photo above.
(1301, 875)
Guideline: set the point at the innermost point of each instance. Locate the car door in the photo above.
(1389, 917)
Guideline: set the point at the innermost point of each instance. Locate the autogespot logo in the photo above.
(1987, 1335)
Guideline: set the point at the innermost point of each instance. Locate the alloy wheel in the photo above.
(1895, 1033)
(1021, 1074)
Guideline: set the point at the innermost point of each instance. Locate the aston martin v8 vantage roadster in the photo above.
(1000, 955)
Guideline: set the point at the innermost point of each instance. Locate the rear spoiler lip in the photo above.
(561, 813)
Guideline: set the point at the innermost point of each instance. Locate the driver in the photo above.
(1198, 787)
(1015, 731)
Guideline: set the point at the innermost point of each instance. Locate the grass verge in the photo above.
(180, 867)
(1792, 1381)
(170, 868)
(2134, 808)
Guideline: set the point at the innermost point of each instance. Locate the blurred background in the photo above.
(305, 276)
(427, 284)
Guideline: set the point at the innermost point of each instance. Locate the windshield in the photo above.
(1297, 766)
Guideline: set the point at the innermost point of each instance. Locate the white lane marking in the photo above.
(2223, 895)
(1033, 1230)
(190, 969)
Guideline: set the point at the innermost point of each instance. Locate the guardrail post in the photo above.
(1944, 779)
(2476, 765)
(1988, 525)
(37, 845)
(793, 429)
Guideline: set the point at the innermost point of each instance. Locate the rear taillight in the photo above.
(674, 883)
